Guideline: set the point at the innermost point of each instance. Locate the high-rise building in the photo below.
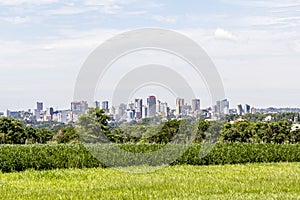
(218, 107)
(151, 103)
(122, 111)
(240, 110)
(138, 108)
(105, 106)
(247, 108)
(49, 114)
(225, 107)
(37, 114)
(222, 107)
(130, 115)
(97, 104)
(39, 106)
(165, 109)
(253, 110)
(195, 105)
(145, 112)
(158, 106)
(79, 106)
(179, 105)
(186, 110)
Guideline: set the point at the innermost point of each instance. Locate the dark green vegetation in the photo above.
(258, 117)
(260, 132)
(15, 132)
(45, 157)
(250, 181)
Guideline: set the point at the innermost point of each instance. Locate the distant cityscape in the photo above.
(140, 109)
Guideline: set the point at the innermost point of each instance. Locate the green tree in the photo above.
(167, 132)
(66, 135)
(14, 131)
(203, 126)
(93, 126)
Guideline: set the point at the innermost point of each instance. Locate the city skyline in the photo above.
(100, 103)
(137, 110)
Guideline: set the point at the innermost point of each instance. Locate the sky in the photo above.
(254, 44)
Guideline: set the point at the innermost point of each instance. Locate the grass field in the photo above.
(251, 181)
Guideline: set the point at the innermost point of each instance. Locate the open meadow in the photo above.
(250, 181)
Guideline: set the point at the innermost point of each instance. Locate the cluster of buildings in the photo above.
(137, 110)
(39, 114)
(152, 107)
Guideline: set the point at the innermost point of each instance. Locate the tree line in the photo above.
(13, 131)
(93, 126)
(260, 132)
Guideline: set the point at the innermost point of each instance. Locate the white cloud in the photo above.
(262, 20)
(266, 20)
(225, 35)
(107, 2)
(113, 6)
(110, 6)
(136, 12)
(165, 19)
(20, 2)
(70, 10)
(268, 4)
(16, 20)
(69, 49)
(111, 9)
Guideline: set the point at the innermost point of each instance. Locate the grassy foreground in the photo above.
(250, 181)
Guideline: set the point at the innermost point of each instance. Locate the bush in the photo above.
(46, 157)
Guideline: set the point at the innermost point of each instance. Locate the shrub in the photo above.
(46, 157)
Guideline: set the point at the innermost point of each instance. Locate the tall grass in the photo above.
(45, 157)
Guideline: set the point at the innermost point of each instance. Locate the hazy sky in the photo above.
(254, 44)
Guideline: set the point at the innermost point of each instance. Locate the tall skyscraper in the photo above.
(222, 107)
(151, 103)
(218, 107)
(247, 108)
(165, 109)
(145, 112)
(105, 106)
(195, 105)
(225, 107)
(39, 106)
(240, 109)
(51, 112)
(97, 104)
(158, 106)
(179, 106)
(139, 108)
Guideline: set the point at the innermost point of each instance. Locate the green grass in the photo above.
(250, 181)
